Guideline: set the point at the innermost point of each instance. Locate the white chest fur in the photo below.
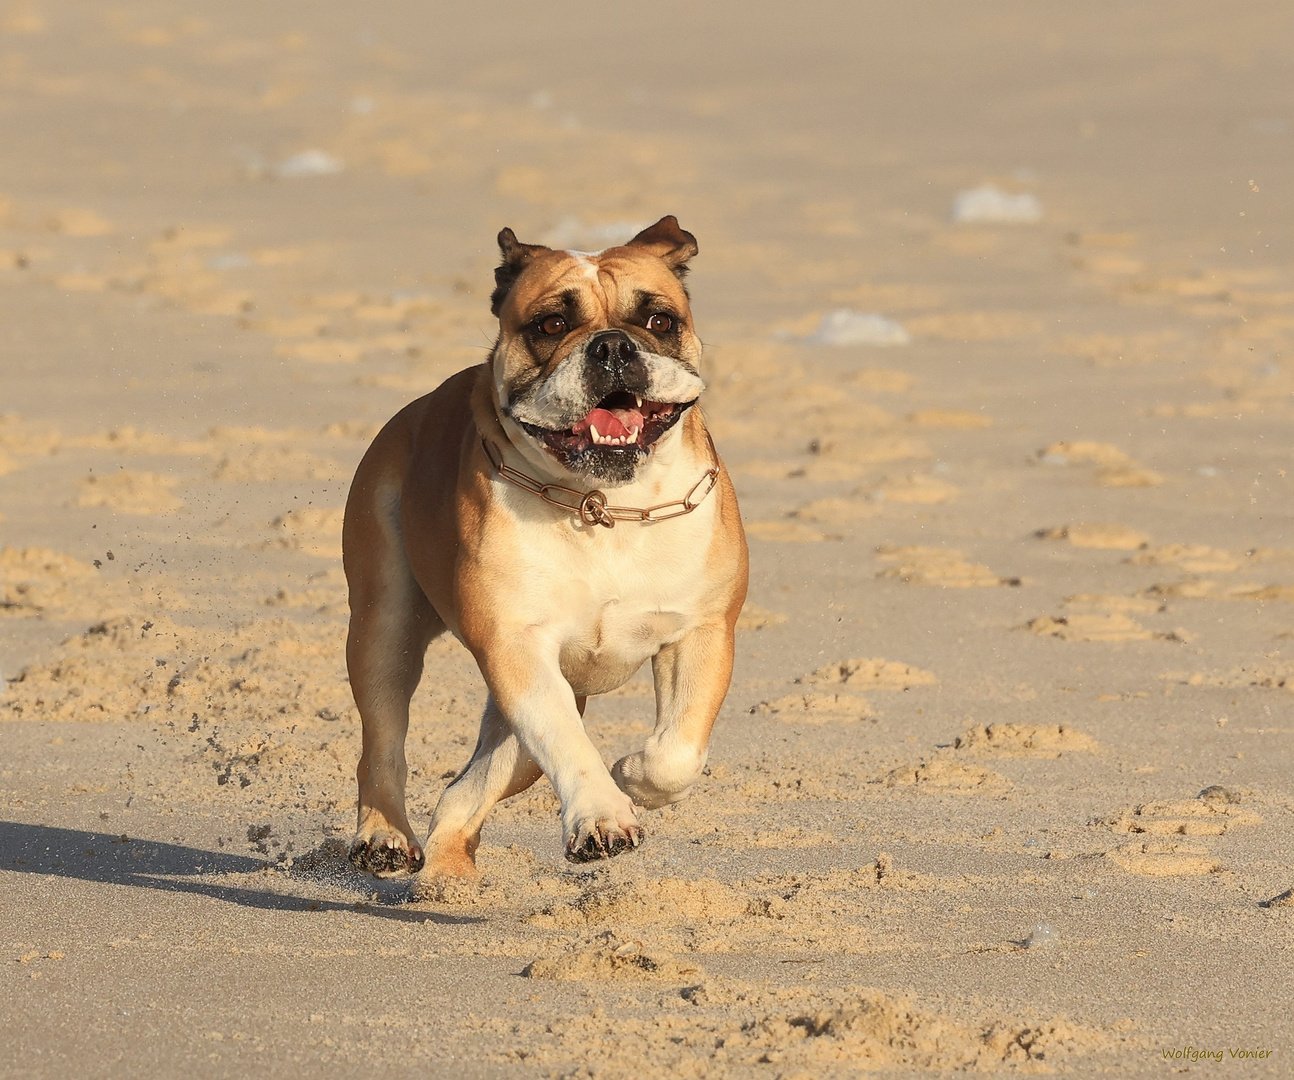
(606, 600)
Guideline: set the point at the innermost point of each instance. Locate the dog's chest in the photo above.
(623, 605)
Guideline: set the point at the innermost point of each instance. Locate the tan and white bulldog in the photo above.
(560, 509)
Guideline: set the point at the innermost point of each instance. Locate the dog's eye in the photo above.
(660, 323)
(552, 325)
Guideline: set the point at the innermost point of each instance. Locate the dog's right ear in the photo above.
(515, 256)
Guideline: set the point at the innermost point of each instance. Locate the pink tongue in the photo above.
(615, 423)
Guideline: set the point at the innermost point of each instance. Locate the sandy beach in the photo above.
(998, 304)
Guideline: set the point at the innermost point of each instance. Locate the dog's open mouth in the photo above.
(621, 421)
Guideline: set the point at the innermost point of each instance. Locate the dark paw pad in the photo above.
(595, 847)
(383, 861)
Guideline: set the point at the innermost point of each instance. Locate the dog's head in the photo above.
(596, 358)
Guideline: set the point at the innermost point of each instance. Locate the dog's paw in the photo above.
(385, 853)
(659, 779)
(602, 838)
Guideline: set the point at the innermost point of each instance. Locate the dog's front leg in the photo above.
(692, 677)
(524, 677)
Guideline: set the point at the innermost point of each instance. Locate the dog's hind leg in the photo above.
(391, 624)
(692, 677)
(499, 769)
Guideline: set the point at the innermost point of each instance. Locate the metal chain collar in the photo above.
(591, 507)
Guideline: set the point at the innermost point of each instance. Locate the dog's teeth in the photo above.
(633, 435)
(596, 436)
(639, 399)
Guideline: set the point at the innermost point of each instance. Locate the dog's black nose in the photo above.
(612, 350)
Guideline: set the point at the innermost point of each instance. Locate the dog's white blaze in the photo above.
(588, 269)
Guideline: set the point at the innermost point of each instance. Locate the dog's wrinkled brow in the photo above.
(561, 303)
(644, 301)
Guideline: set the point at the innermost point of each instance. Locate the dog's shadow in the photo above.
(110, 859)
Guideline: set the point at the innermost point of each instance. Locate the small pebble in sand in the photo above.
(1044, 936)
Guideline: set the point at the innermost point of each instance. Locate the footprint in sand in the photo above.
(1025, 740)
(1206, 589)
(911, 489)
(1193, 558)
(942, 567)
(141, 493)
(836, 511)
(1114, 468)
(944, 774)
(816, 707)
(822, 701)
(1164, 858)
(1100, 602)
(1214, 812)
(865, 673)
(1114, 626)
(1103, 536)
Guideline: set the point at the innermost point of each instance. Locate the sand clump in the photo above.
(944, 774)
(822, 702)
(1187, 817)
(913, 489)
(648, 901)
(1027, 740)
(1102, 536)
(941, 567)
(1113, 626)
(817, 707)
(613, 959)
(1164, 859)
(786, 532)
(836, 511)
(864, 673)
(1193, 558)
(1114, 468)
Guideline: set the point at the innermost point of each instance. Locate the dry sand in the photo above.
(1023, 576)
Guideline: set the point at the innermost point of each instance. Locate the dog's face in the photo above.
(596, 358)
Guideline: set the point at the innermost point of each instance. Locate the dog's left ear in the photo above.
(515, 257)
(668, 242)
